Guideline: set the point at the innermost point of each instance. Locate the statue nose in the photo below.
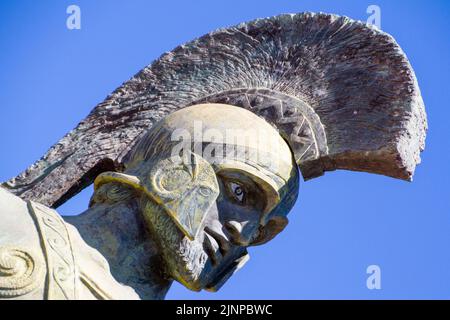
(237, 234)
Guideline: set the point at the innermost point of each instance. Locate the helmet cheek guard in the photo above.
(185, 187)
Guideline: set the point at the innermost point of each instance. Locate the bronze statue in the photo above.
(195, 158)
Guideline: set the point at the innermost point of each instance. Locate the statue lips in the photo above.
(216, 243)
(227, 272)
(212, 248)
(219, 250)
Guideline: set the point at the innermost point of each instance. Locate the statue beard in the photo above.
(185, 259)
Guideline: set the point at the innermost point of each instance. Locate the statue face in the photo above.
(203, 208)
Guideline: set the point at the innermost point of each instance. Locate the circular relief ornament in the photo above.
(20, 271)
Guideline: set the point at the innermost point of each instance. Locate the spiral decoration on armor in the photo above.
(20, 271)
(57, 247)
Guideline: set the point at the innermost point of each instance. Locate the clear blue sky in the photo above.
(51, 78)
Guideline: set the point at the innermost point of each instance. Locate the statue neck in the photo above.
(119, 234)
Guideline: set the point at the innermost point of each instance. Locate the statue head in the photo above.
(212, 180)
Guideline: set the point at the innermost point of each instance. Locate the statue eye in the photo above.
(238, 191)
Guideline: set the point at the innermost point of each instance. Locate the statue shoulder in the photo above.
(13, 210)
(36, 254)
(22, 262)
(43, 257)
